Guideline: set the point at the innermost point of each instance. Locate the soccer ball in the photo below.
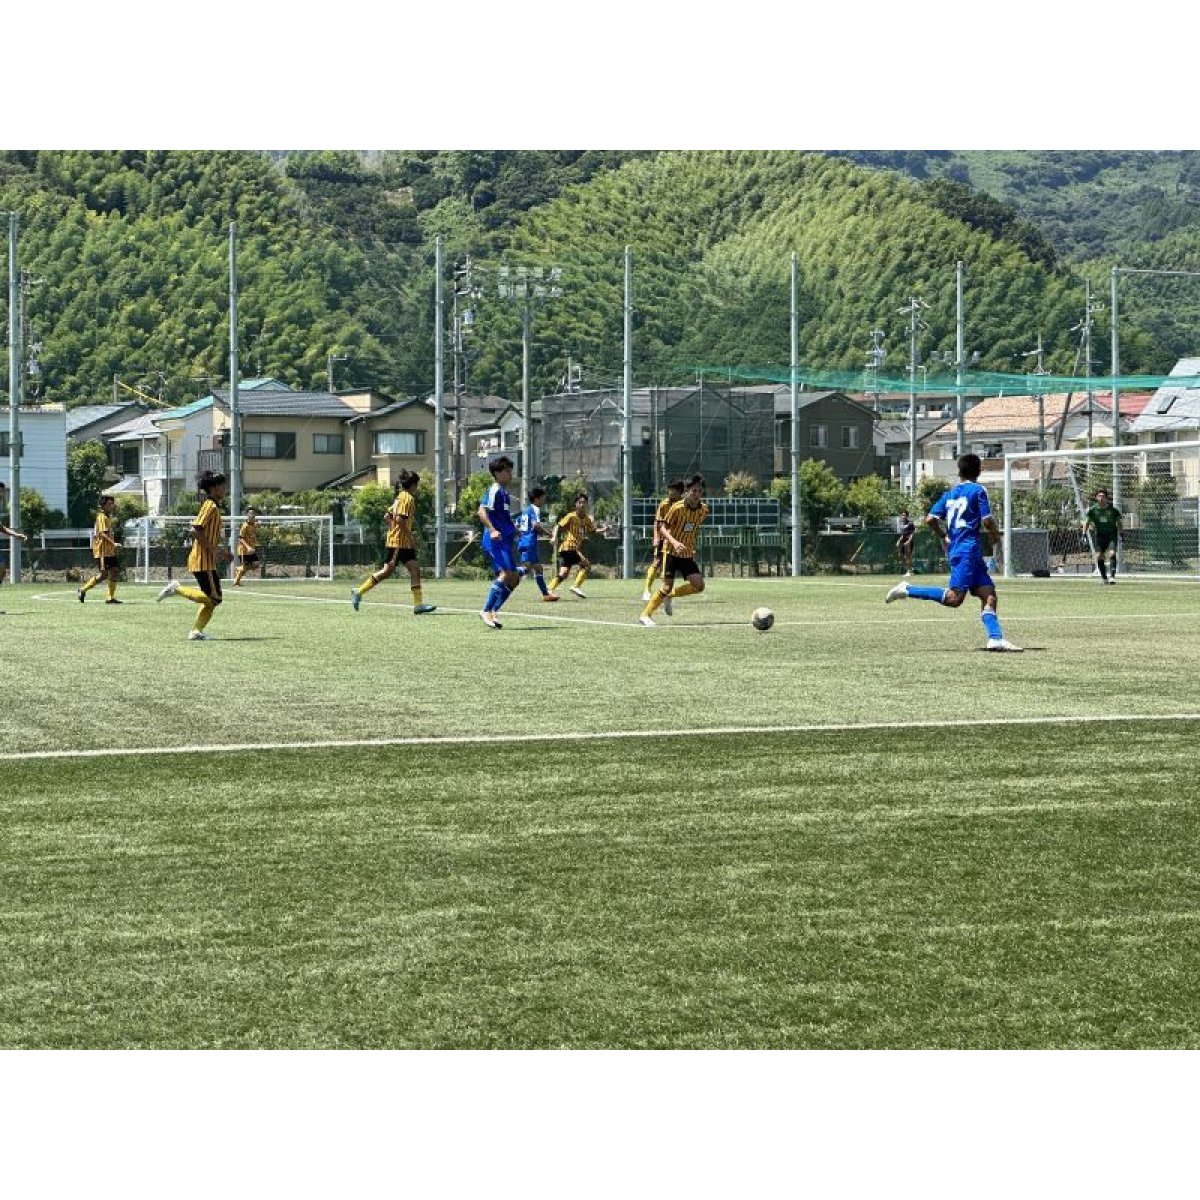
(762, 618)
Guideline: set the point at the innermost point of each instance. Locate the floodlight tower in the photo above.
(1039, 371)
(530, 287)
(466, 288)
(875, 356)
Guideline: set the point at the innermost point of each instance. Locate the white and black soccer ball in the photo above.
(762, 619)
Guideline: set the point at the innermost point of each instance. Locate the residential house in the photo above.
(501, 436)
(1172, 413)
(833, 428)
(43, 453)
(89, 422)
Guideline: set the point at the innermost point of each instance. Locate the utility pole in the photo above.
(915, 325)
(439, 416)
(626, 427)
(463, 322)
(795, 411)
(14, 396)
(1041, 409)
(235, 416)
(525, 286)
(959, 363)
(330, 360)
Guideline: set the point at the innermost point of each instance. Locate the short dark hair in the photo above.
(579, 496)
(107, 500)
(408, 478)
(676, 485)
(695, 479)
(500, 464)
(969, 466)
(208, 481)
(252, 509)
(1101, 492)
(536, 494)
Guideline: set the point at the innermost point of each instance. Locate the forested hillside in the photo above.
(127, 256)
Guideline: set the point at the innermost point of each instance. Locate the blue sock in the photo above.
(991, 623)
(493, 598)
(503, 591)
(927, 593)
(541, 582)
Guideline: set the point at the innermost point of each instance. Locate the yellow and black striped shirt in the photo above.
(248, 538)
(208, 521)
(683, 523)
(575, 530)
(660, 512)
(104, 545)
(400, 530)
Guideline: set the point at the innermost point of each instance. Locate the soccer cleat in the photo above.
(551, 598)
(668, 607)
(169, 590)
(645, 597)
(647, 621)
(578, 592)
(1113, 579)
(114, 600)
(421, 609)
(1003, 646)
(197, 635)
(82, 595)
(489, 619)
(899, 592)
(355, 599)
(907, 574)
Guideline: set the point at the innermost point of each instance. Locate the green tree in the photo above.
(822, 494)
(865, 499)
(36, 514)
(87, 465)
(929, 489)
(470, 497)
(742, 483)
(369, 507)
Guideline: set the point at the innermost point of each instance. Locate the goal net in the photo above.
(1154, 487)
(299, 547)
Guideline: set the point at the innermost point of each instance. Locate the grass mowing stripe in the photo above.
(737, 892)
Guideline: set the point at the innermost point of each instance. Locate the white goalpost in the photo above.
(1155, 487)
(292, 547)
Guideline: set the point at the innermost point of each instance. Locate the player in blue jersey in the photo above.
(968, 517)
(529, 526)
(498, 533)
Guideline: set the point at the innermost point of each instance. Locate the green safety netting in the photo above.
(974, 383)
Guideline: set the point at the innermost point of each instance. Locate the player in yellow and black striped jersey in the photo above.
(104, 551)
(247, 545)
(679, 529)
(574, 527)
(204, 556)
(400, 545)
(673, 496)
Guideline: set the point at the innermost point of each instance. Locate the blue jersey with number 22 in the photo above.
(963, 509)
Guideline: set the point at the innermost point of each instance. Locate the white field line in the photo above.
(503, 739)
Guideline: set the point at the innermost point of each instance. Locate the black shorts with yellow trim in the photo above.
(569, 558)
(673, 565)
(209, 582)
(248, 560)
(110, 562)
(398, 556)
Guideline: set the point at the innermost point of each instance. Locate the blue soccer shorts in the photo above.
(969, 572)
(500, 551)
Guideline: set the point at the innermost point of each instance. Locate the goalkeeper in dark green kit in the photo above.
(1103, 522)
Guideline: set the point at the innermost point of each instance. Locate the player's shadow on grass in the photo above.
(275, 637)
(1003, 654)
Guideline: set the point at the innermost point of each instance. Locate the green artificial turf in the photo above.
(993, 886)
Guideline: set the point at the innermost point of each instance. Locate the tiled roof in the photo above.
(88, 414)
(1019, 414)
(283, 402)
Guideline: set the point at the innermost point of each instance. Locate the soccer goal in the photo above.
(1155, 488)
(299, 547)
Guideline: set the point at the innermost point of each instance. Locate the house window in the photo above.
(819, 436)
(849, 437)
(130, 462)
(1030, 447)
(645, 435)
(400, 441)
(329, 443)
(270, 445)
(512, 439)
(992, 450)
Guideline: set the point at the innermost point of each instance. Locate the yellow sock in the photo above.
(367, 584)
(554, 583)
(193, 594)
(650, 574)
(237, 579)
(112, 589)
(683, 589)
(204, 615)
(655, 601)
(91, 583)
(417, 596)
(581, 577)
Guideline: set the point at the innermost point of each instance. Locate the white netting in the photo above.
(297, 547)
(1155, 488)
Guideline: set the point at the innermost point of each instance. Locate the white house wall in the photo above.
(44, 463)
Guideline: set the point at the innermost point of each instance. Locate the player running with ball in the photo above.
(968, 515)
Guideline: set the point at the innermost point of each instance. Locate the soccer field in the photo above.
(336, 829)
